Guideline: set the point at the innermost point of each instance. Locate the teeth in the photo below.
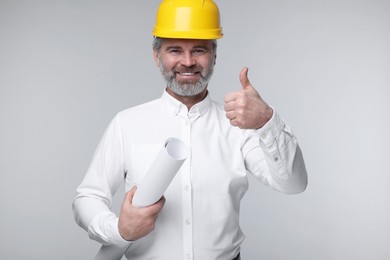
(187, 73)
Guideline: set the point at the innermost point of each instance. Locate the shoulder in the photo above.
(140, 110)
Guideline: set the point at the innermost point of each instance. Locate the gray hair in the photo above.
(158, 41)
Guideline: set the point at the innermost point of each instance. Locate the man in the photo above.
(198, 216)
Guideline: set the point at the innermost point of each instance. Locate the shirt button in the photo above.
(188, 256)
(276, 158)
(263, 136)
(187, 188)
(188, 221)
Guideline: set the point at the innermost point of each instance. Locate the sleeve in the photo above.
(93, 202)
(273, 156)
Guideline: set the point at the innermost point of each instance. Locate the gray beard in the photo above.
(186, 89)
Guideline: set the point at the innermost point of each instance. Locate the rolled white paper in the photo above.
(110, 253)
(161, 173)
(153, 185)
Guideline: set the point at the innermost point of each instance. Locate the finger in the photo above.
(230, 97)
(130, 194)
(234, 122)
(230, 106)
(162, 201)
(244, 78)
(231, 115)
(157, 207)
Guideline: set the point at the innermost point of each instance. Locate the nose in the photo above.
(188, 60)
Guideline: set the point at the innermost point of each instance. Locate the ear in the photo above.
(155, 57)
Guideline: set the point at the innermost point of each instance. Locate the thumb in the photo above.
(244, 78)
(130, 194)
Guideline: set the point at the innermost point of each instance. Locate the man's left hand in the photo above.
(245, 108)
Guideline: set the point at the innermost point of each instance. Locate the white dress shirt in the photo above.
(200, 219)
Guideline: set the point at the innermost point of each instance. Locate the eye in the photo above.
(199, 51)
(174, 51)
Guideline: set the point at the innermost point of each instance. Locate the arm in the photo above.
(92, 205)
(273, 156)
(271, 152)
(93, 202)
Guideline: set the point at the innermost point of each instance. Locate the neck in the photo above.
(189, 101)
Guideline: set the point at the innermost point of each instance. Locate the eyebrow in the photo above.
(201, 47)
(195, 47)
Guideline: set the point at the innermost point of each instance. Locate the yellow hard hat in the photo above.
(188, 19)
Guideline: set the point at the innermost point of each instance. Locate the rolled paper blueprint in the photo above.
(161, 173)
(153, 186)
(111, 253)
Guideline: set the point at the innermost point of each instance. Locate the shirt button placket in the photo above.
(187, 196)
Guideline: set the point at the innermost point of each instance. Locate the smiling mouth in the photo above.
(189, 77)
(187, 73)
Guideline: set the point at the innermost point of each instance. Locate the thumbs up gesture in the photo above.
(245, 108)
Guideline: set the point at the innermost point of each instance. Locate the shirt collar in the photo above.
(178, 108)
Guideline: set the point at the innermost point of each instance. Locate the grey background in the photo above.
(66, 67)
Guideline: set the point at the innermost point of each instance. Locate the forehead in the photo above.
(186, 43)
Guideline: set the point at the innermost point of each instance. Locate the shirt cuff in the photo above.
(104, 229)
(271, 130)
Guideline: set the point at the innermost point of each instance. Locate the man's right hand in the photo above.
(135, 223)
